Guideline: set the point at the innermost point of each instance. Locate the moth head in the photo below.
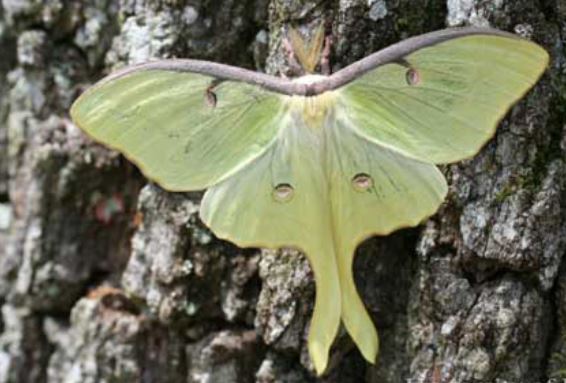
(303, 51)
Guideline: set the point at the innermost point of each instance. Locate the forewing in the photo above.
(441, 103)
(178, 133)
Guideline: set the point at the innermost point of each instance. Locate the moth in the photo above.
(318, 163)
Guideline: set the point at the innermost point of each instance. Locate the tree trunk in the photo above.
(106, 278)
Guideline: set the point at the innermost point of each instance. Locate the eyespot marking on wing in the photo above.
(283, 193)
(412, 76)
(210, 97)
(362, 182)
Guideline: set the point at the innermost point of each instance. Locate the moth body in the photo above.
(310, 79)
(314, 111)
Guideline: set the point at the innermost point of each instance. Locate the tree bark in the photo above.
(107, 278)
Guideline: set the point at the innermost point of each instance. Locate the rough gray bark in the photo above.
(103, 279)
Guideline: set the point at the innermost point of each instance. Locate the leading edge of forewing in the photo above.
(397, 52)
(214, 70)
(288, 87)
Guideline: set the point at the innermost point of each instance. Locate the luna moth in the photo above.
(318, 163)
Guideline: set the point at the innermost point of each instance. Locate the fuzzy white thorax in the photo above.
(309, 78)
(313, 110)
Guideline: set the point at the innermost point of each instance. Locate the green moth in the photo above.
(318, 163)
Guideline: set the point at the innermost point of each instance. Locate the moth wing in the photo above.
(442, 102)
(323, 212)
(373, 190)
(281, 199)
(179, 134)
